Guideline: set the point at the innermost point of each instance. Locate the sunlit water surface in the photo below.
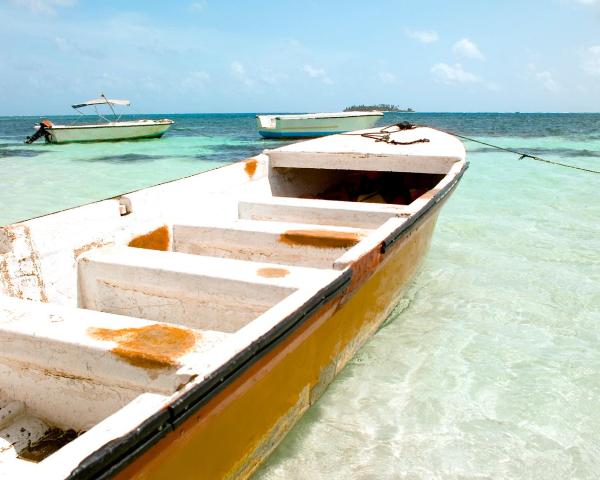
(490, 367)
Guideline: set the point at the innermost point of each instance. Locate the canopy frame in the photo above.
(107, 101)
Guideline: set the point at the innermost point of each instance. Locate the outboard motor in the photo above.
(41, 131)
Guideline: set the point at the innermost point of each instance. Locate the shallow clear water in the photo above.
(491, 366)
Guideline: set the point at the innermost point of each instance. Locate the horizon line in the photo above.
(299, 112)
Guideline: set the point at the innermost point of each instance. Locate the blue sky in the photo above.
(260, 56)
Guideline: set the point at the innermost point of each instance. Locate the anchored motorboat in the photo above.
(314, 124)
(106, 130)
(144, 336)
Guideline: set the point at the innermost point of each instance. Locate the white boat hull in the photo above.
(144, 337)
(113, 131)
(316, 125)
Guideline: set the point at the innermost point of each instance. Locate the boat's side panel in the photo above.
(232, 434)
(37, 256)
(108, 133)
(296, 134)
(316, 127)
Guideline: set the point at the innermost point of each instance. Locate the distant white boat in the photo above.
(314, 124)
(107, 130)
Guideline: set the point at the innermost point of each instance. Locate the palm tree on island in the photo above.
(382, 107)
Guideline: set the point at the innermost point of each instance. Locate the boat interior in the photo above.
(112, 310)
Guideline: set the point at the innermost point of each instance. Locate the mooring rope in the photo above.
(384, 136)
(523, 155)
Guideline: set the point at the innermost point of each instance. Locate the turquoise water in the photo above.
(38, 179)
(490, 368)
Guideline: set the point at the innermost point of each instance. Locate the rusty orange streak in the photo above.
(364, 267)
(155, 240)
(250, 167)
(272, 272)
(153, 346)
(320, 238)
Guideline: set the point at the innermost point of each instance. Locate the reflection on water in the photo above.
(128, 157)
(19, 152)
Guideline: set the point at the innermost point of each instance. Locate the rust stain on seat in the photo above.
(272, 272)
(155, 240)
(320, 238)
(153, 347)
(250, 167)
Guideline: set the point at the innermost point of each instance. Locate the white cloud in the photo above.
(273, 78)
(63, 44)
(423, 36)
(148, 83)
(237, 69)
(587, 2)
(545, 78)
(547, 81)
(239, 72)
(387, 77)
(195, 80)
(493, 86)
(591, 61)
(68, 46)
(453, 74)
(198, 6)
(43, 7)
(318, 73)
(468, 49)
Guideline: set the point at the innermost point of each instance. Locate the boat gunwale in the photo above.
(115, 455)
(322, 116)
(113, 140)
(119, 196)
(125, 124)
(412, 219)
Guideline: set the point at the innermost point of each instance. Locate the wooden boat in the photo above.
(103, 131)
(314, 124)
(148, 336)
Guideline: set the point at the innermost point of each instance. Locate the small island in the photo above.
(382, 107)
